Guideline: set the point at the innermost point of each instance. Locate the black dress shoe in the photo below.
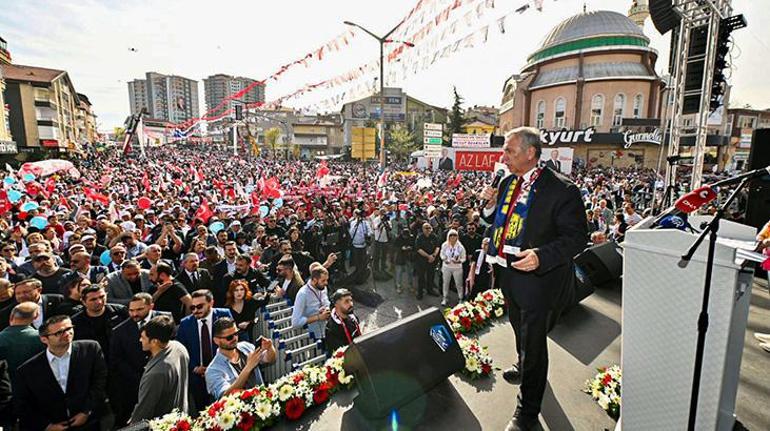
(512, 375)
(523, 423)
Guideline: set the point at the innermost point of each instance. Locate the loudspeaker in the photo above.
(600, 264)
(758, 204)
(663, 15)
(401, 361)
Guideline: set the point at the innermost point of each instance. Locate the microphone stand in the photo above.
(703, 319)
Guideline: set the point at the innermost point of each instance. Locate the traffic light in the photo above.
(719, 85)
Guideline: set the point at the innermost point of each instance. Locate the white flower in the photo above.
(471, 364)
(263, 410)
(226, 420)
(499, 312)
(285, 392)
(344, 378)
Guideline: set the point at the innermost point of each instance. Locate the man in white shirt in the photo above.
(631, 216)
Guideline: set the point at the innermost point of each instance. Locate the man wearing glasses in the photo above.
(236, 364)
(195, 333)
(48, 272)
(62, 387)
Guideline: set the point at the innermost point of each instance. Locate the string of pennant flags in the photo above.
(432, 26)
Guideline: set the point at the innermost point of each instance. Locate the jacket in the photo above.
(164, 384)
(118, 289)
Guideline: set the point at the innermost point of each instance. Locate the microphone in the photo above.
(672, 222)
(756, 173)
(695, 199)
(495, 182)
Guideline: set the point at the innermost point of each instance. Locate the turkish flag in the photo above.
(94, 196)
(323, 170)
(146, 182)
(5, 205)
(272, 189)
(204, 212)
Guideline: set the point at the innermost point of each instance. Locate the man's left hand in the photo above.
(78, 420)
(529, 261)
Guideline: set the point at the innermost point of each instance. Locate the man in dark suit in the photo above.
(97, 318)
(63, 387)
(223, 268)
(125, 374)
(192, 276)
(243, 271)
(30, 290)
(533, 261)
(195, 333)
(554, 162)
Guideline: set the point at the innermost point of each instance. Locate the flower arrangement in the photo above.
(291, 395)
(605, 389)
(478, 363)
(473, 315)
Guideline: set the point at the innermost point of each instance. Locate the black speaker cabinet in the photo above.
(600, 264)
(401, 361)
(758, 204)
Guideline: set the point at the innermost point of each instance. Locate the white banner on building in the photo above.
(462, 140)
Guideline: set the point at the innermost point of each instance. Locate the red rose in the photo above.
(465, 322)
(479, 319)
(294, 408)
(269, 394)
(606, 380)
(486, 368)
(298, 378)
(457, 312)
(339, 354)
(320, 396)
(247, 422)
(183, 425)
(488, 296)
(332, 378)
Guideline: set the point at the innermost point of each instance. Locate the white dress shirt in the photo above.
(39, 319)
(60, 367)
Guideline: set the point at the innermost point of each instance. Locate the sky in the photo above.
(103, 44)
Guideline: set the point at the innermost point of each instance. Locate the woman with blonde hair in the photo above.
(452, 255)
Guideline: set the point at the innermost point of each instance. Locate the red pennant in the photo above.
(204, 212)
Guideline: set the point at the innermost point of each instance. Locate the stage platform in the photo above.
(588, 337)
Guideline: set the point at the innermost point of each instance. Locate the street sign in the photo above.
(432, 133)
(363, 142)
(432, 141)
(432, 126)
(432, 151)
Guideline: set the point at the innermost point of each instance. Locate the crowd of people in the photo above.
(145, 264)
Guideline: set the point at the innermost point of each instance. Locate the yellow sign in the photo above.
(362, 142)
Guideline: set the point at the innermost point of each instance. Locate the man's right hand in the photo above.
(324, 314)
(490, 195)
(61, 426)
(199, 370)
(164, 286)
(253, 359)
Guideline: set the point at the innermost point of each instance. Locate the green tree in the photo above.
(271, 138)
(402, 141)
(456, 117)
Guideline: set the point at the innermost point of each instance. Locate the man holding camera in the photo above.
(360, 235)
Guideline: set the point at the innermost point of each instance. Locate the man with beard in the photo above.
(168, 294)
(125, 373)
(48, 272)
(236, 364)
(312, 305)
(124, 284)
(243, 271)
(342, 328)
(97, 319)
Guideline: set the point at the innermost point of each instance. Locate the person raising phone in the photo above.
(236, 364)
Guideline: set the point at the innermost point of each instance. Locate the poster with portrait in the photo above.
(559, 159)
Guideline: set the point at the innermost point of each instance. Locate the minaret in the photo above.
(639, 12)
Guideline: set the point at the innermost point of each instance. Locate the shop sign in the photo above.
(630, 138)
(462, 140)
(8, 147)
(564, 136)
(476, 160)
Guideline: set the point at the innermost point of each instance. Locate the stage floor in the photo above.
(587, 338)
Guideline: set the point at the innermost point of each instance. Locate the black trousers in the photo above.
(424, 277)
(531, 327)
(358, 260)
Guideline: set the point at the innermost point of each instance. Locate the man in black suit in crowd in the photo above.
(63, 387)
(533, 261)
(126, 372)
(243, 271)
(192, 276)
(31, 290)
(97, 318)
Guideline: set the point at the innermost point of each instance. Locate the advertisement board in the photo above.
(462, 140)
(559, 159)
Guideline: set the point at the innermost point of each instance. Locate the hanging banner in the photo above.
(559, 159)
(462, 140)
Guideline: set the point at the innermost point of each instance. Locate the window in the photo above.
(638, 105)
(618, 109)
(560, 114)
(597, 107)
(746, 122)
(540, 120)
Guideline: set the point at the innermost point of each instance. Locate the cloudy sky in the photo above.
(103, 44)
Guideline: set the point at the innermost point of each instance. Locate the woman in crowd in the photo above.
(452, 255)
(243, 306)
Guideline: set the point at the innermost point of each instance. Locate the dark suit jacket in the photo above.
(84, 330)
(40, 400)
(204, 280)
(555, 166)
(51, 303)
(556, 228)
(126, 372)
(188, 335)
(97, 274)
(257, 282)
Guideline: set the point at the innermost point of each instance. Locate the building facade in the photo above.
(85, 121)
(592, 72)
(43, 107)
(742, 122)
(219, 87)
(166, 97)
(7, 145)
(317, 135)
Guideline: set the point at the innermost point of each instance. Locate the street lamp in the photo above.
(382, 40)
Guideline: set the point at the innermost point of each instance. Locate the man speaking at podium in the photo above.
(537, 225)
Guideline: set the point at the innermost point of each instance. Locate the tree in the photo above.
(271, 138)
(456, 118)
(402, 141)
